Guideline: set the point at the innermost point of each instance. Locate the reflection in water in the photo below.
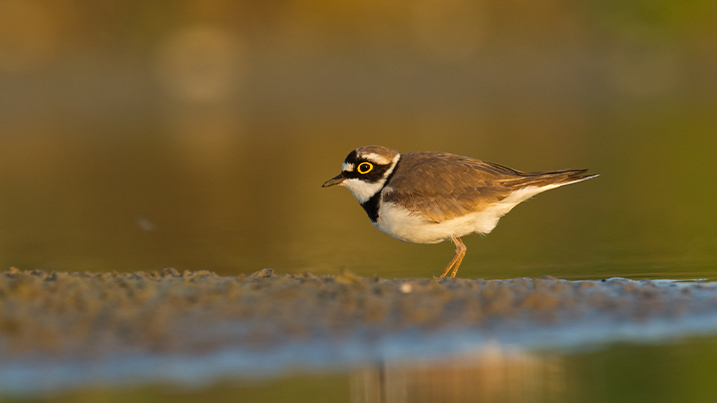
(672, 373)
(491, 376)
(675, 372)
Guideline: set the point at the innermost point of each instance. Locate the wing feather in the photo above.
(441, 186)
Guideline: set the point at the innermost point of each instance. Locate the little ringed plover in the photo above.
(429, 197)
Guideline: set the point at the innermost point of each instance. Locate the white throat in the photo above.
(363, 190)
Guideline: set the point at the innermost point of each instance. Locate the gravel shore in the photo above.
(90, 315)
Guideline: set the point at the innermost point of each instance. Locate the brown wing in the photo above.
(442, 186)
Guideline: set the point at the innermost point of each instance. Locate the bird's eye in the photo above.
(364, 168)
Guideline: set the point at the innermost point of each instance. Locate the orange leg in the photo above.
(457, 258)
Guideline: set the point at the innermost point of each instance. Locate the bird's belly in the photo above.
(399, 223)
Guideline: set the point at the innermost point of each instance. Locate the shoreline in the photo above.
(131, 327)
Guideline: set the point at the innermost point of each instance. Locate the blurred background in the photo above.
(196, 134)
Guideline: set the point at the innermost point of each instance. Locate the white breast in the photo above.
(401, 224)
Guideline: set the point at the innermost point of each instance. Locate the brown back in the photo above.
(441, 186)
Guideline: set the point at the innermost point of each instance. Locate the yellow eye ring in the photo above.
(364, 168)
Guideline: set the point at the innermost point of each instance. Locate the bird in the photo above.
(428, 197)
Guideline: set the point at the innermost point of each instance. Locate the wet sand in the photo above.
(93, 315)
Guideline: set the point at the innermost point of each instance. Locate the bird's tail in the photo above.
(551, 178)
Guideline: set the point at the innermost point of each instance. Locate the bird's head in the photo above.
(365, 171)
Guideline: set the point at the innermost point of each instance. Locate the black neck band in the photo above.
(371, 205)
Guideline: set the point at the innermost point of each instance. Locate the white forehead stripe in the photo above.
(394, 162)
(379, 159)
(347, 166)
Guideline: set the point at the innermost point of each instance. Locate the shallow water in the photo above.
(679, 371)
(666, 370)
(494, 374)
(127, 202)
